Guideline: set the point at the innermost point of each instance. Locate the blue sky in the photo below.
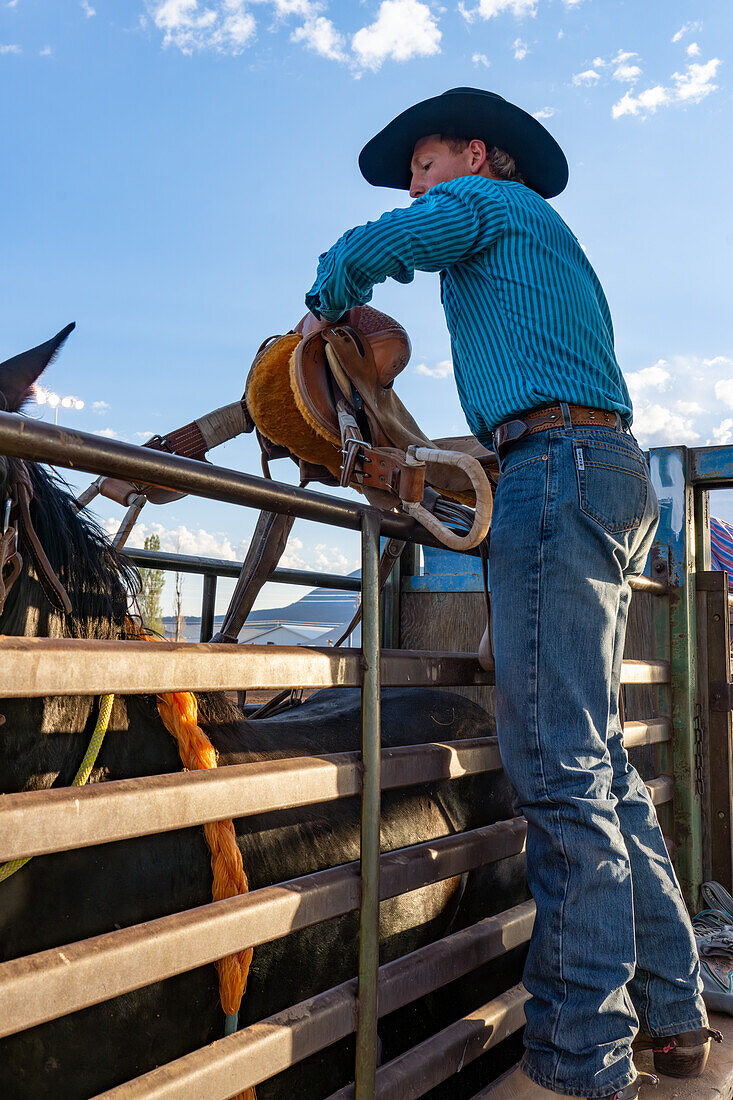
(173, 168)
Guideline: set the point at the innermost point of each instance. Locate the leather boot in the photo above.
(682, 1055)
(515, 1085)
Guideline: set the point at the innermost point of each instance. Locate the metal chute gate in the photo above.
(56, 982)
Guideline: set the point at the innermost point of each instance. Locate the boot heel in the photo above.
(682, 1061)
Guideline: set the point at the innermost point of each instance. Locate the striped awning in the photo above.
(721, 544)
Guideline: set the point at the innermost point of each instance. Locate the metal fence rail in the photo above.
(53, 983)
(244, 1059)
(40, 822)
(37, 667)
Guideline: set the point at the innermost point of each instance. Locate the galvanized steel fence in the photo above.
(53, 983)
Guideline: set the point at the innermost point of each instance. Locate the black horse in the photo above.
(66, 897)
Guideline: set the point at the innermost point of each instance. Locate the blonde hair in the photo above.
(502, 165)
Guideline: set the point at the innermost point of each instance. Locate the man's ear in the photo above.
(477, 150)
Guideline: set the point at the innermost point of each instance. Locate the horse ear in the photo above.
(18, 374)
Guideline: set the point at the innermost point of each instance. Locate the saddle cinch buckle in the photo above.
(394, 475)
(352, 445)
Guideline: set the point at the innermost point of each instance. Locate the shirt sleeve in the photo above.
(442, 227)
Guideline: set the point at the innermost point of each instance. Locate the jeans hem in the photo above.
(591, 1093)
(675, 1029)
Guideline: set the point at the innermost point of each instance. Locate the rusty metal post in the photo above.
(207, 607)
(659, 561)
(715, 638)
(671, 477)
(366, 1032)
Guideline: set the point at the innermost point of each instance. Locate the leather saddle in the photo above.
(324, 395)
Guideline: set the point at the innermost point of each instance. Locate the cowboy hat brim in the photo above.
(467, 112)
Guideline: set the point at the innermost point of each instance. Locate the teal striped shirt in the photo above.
(528, 319)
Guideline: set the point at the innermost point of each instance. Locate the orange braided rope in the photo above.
(179, 713)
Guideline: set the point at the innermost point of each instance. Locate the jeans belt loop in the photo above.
(567, 423)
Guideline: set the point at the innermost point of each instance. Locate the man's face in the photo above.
(434, 162)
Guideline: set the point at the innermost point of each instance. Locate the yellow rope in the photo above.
(85, 770)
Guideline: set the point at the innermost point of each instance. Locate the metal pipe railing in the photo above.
(53, 983)
(257, 1052)
(277, 1042)
(371, 754)
(220, 567)
(36, 667)
(34, 823)
(75, 450)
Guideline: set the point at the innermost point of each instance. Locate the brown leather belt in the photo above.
(550, 416)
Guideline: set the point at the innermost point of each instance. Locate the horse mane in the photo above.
(100, 582)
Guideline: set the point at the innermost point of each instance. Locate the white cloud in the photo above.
(179, 540)
(487, 9)
(693, 50)
(45, 52)
(10, 49)
(650, 378)
(647, 102)
(723, 434)
(690, 86)
(690, 408)
(657, 426)
(284, 8)
(685, 29)
(622, 67)
(87, 8)
(143, 435)
(222, 25)
(481, 59)
(572, 3)
(589, 77)
(545, 112)
(101, 408)
(719, 361)
(108, 433)
(320, 35)
(521, 49)
(440, 370)
(403, 29)
(328, 559)
(679, 400)
(724, 391)
(332, 559)
(625, 68)
(696, 81)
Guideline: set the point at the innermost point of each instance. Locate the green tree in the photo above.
(152, 581)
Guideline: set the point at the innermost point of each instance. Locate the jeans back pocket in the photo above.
(612, 483)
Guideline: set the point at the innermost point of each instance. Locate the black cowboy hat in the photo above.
(473, 113)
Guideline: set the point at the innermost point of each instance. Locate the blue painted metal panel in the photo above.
(446, 571)
(711, 466)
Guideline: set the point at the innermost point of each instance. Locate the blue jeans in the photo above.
(612, 948)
